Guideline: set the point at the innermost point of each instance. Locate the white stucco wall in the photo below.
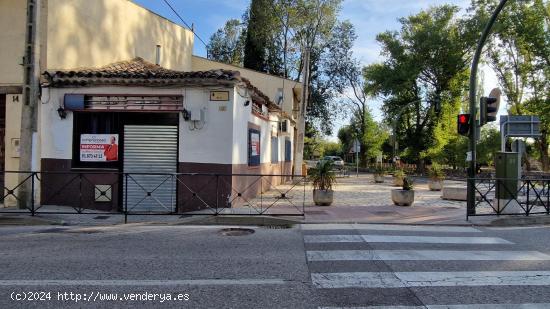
(242, 116)
(56, 133)
(211, 143)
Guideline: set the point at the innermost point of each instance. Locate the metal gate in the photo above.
(150, 153)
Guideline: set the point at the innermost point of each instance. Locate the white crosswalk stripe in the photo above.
(388, 227)
(429, 279)
(404, 239)
(336, 243)
(425, 255)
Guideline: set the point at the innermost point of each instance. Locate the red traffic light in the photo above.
(463, 126)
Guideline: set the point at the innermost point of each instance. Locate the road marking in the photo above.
(425, 255)
(142, 282)
(429, 279)
(472, 306)
(404, 239)
(388, 227)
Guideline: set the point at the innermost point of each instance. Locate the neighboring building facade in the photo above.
(207, 120)
(77, 33)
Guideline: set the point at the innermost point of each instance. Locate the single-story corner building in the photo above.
(139, 118)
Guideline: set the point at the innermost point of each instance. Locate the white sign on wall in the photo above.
(255, 144)
(99, 147)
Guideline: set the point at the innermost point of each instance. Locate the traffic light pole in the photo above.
(473, 103)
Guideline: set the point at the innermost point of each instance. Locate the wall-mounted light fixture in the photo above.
(186, 115)
(62, 113)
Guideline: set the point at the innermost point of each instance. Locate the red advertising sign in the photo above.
(99, 147)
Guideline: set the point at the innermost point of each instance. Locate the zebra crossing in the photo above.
(406, 267)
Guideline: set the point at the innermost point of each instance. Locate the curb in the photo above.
(26, 220)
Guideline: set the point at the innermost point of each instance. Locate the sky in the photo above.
(369, 17)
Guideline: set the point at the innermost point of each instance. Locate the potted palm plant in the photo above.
(405, 195)
(437, 176)
(322, 177)
(379, 173)
(398, 177)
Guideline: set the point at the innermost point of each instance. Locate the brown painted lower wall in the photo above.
(252, 186)
(209, 188)
(63, 186)
(197, 192)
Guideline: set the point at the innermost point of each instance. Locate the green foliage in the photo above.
(422, 78)
(399, 173)
(346, 137)
(408, 184)
(436, 172)
(371, 135)
(454, 153)
(331, 149)
(322, 176)
(379, 170)
(519, 53)
(488, 145)
(262, 46)
(227, 44)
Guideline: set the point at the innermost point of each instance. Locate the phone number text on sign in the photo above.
(98, 147)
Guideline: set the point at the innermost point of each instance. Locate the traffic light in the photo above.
(463, 124)
(488, 110)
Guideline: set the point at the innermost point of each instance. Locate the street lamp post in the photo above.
(473, 123)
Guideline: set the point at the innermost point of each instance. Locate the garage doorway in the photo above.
(150, 153)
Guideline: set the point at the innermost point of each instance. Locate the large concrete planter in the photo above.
(323, 197)
(402, 197)
(378, 178)
(398, 181)
(435, 184)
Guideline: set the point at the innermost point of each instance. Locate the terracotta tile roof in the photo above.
(138, 72)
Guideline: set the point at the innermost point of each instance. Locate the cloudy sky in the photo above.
(370, 17)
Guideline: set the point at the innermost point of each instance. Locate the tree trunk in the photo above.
(543, 149)
(363, 156)
(420, 166)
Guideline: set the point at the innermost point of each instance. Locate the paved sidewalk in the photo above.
(356, 200)
(360, 200)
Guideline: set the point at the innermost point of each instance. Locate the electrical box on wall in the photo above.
(196, 114)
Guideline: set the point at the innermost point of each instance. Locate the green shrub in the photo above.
(408, 184)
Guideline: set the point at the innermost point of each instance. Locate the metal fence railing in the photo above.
(153, 194)
(499, 196)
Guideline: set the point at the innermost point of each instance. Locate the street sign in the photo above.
(518, 126)
(356, 148)
(469, 156)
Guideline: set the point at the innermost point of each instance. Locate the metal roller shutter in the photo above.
(150, 150)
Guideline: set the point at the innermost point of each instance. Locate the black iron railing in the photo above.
(499, 196)
(154, 193)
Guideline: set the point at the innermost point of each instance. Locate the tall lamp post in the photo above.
(473, 122)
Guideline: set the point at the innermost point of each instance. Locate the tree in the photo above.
(423, 76)
(227, 44)
(346, 136)
(370, 135)
(519, 54)
(489, 144)
(262, 47)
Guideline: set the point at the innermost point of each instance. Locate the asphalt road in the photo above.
(314, 266)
